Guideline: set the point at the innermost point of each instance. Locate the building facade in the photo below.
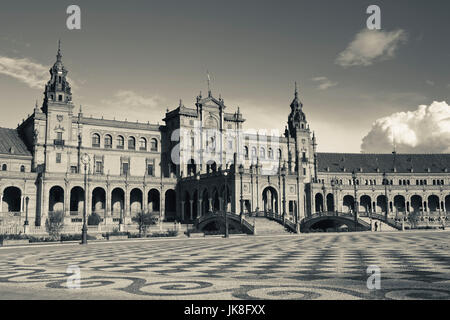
(201, 160)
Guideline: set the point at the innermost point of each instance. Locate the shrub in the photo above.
(144, 220)
(94, 219)
(55, 223)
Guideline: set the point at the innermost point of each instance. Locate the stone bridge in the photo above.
(333, 221)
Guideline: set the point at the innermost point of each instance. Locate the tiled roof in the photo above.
(11, 143)
(369, 163)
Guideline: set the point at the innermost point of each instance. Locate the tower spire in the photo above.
(209, 83)
(59, 55)
(296, 90)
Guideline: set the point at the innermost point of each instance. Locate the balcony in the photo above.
(58, 142)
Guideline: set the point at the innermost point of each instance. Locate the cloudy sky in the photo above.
(132, 60)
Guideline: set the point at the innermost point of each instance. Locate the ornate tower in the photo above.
(57, 90)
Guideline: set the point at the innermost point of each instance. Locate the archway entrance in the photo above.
(77, 200)
(117, 201)
(270, 198)
(98, 201)
(170, 205)
(319, 202)
(12, 199)
(56, 199)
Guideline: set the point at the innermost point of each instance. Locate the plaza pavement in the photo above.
(413, 264)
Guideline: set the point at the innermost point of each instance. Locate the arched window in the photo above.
(95, 140)
(22, 168)
(270, 153)
(143, 144)
(253, 152)
(4, 167)
(120, 142)
(246, 152)
(154, 145)
(280, 154)
(262, 153)
(108, 141)
(131, 143)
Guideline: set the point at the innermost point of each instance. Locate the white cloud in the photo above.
(33, 74)
(127, 104)
(324, 83)
(425, 130)
(371, 45)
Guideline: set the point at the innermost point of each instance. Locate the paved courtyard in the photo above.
(309, 266)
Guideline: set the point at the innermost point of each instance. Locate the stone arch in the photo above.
(170, 198)
(136, 200)
(318, 200)
(98, 200)
(330, 202)
(56, 199)
(153, 200)
(270, 199)
(349, 203)
(117, 200)
(365, 202)
(447, 203)
(433, 203)
(381, 203)
(416, 203)
(77, 199)
(399, 203)
(205, 202)
(12, 197)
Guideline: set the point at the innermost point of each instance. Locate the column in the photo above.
(210, 204)
(108, 202)
(126, 204)
(145, 200)
(1, 202)
(21, 203)
(199, 208)
(182, 210)
(191, 204)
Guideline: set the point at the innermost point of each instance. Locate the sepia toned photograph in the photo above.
(223, 154)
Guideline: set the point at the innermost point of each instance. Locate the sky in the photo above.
(362, 90)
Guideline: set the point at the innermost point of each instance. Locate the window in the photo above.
(154, 145)
(131, 143)
(246, 152)
(108, 141)
(120, 142)
(22, 168)
(73, 169)
(279, 154)
(99, 167)
(95, 140)
(4, 167)
(59, 136)
(230, 144)
(262, 153)
(142, 144)
(270, 153)
(60, 97)
(58, 158)
(253, 152)
(150, 171)
(125, 168)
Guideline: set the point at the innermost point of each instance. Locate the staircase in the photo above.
(384, 226)
(264, 226)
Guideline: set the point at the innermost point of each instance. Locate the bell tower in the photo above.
(57, 90)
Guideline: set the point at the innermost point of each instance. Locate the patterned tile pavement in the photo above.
(310, 266)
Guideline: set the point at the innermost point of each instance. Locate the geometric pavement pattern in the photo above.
(413, 264)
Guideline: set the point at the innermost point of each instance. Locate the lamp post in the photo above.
(241, 172)
(26, 223)
(283, 175)
(333, 184)
(226, 203)
(385, 182)
(354, 176)
(85, 159)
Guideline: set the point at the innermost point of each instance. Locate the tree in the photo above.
(144, 220)
(413, 218)
(94, 219)
(55, 223)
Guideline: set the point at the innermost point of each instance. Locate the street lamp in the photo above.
(85, 159)
(226, 203)
(283, 175)
(333, 184)
(385, 182)
(354, 176)
(26, 223)
(241, 172)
